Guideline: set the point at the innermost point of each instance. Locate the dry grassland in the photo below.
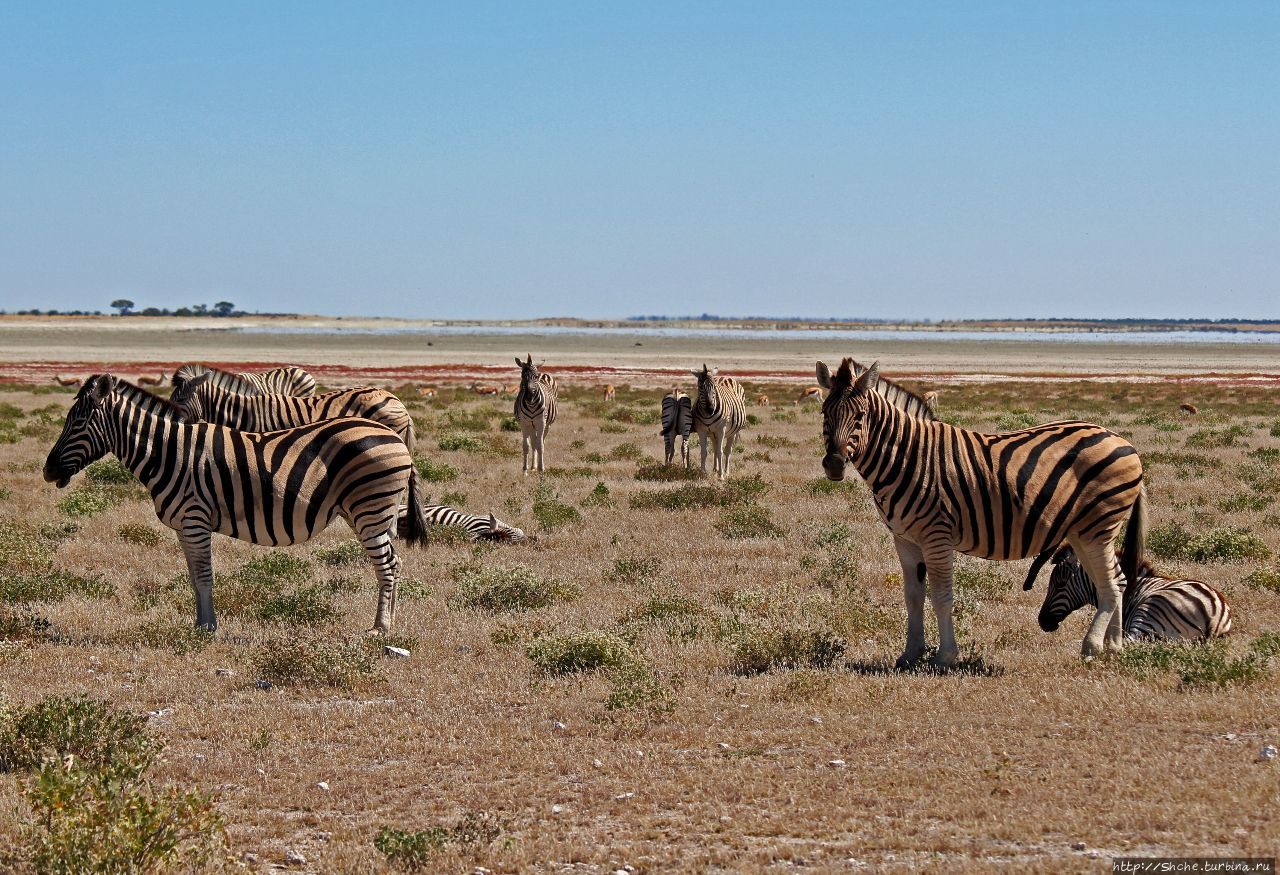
(705, 701)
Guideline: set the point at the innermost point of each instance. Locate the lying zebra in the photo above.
(280, 488)
(477, 527)
(1156, 607)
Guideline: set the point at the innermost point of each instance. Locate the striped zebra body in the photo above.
(942, 489)
(1168, 608)
(277, 488)
(287, 380)
(535, 411)
(477, 526)
(718, 415)
(677, 421)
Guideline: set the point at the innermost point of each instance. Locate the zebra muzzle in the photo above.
(833, 465)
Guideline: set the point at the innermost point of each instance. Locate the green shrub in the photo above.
(667, 473)
(497, 589)
(613, 428)
(1015, 420)
(464, 442)
(87, 820)
(142, 535)
(272, 569)
(550, 512)
(774, 443)
(23, 626)
(586, 650)
(634, 569)
(1264, 578)
(52, 586)
(737, 491)
(5, 493)
(626, 451)
(110, 472)
(469, 420)
(180, 637)
(751, 521)
(454, 499)
(306, 606)
(95, 733)
(435, 472)
(22, 550)
(634, 415)
(599, 497)
(633, 685)
(509, 424)
(1199, 664)
(752, 419)
(1266, 455)
(821, 486)
(1245, 502)
(1275, 429)
(86, 502)
(1223, 544)
(413, 851)
(981, 580)
(1216, 438)
(594, 458)
(761, 649)
(342, 555)
(56, 533)
(313, 662)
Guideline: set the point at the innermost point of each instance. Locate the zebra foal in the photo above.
(289, 380)
(535, 411)
(718, 415)
(677, 421)
(1154, 606)
(942, 489)
(479, 527)
(275, 489)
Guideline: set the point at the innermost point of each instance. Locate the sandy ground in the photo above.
(37, 349)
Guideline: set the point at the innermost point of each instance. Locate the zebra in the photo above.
(941, 489)
(479, 527)
(677, 421)
(278, 488)
(289, 380)
(535, 410)
(718, 415)
(1153, 607)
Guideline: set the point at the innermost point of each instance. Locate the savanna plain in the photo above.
(677, 675)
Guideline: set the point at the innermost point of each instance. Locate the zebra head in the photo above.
(844, 414)
(1069, 589)
(84, 437)
(500, 531)
(529, 373)
(708, 398)
(187, 396)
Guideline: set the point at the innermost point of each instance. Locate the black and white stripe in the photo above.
(718, 416)
(289, 380)
(479, 527)
(677, 422)
(1155, 606)
(942, 489)
(535, 411)
(278, 488)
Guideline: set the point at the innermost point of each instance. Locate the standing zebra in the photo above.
(677, 421)
(1153, 607)
(479, 527)
(942, 489)
(279, 488)
(277, 381)
(535, 410)
(718, 415)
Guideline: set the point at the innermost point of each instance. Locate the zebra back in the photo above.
(900, 397)
(1156, 607)
(289, 380)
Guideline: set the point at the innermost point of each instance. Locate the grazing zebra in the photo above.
(718, 415)
(677, 421)
(478, 527)
(1154, 607)
(535, 410)
(942, 489)
(277, 381)
(279, 488)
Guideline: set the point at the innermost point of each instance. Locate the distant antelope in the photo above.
(930, 400)
(762, 401)
(814, 392)
(609, 392)
(148, 380)
(512, 389)
(485, 390)
(427, 391)
(66, 381)
(1188, 409)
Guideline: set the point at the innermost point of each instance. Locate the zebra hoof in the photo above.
(907, 661)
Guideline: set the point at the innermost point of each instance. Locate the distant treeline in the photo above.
(125, 307)
(1054, 320)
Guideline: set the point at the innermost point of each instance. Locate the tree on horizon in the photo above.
(123, 306)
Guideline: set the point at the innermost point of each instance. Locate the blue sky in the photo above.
(916, 160)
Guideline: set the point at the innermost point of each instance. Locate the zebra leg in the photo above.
(538, 434)
(386, 565)
(717, 445)
(940, 571)
(197, 548)
(913, 578)
(525, 440)
(1098, 561)
(684, 451)
(703, 439)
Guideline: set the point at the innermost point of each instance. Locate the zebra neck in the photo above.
(884, 449)
(144, 441)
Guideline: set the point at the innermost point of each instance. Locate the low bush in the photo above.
(1245, 503)
(758, 649)
(22, 550)
(415, 850)
(498, 589)
(110, 472)
(774, 442)
(1015, 420)
(821, 486)
(52, 586)
(1216, 438)
(613, 428)
(342, 555)
(86, 502)
(599, 497)
(550, 512)
(1265, 579)
(435, 472)
(1223, 544)
(314, 662)
(667, 473)
(751, 521)
(95, 734)
(626, 451)
(305, 606)
(142, 535)
(586, 650)
(1205, 664)
(180, 637)
(23, 625)
(634, 569)
(452, 441)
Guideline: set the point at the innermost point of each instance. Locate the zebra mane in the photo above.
(901, 398)
(144, 399)
(222, 379)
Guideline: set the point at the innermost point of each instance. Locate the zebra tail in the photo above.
(415, 525)
(1135, 540)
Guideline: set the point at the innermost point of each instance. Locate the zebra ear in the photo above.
(519, 363)
(824, 375)
(195, 382)
(101, 386)
(493, 523)
(868, 379)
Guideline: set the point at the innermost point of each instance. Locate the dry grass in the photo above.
(684, 663)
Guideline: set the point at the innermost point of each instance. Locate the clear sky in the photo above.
(464, 159)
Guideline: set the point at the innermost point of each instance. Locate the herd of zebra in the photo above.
(262, 458)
